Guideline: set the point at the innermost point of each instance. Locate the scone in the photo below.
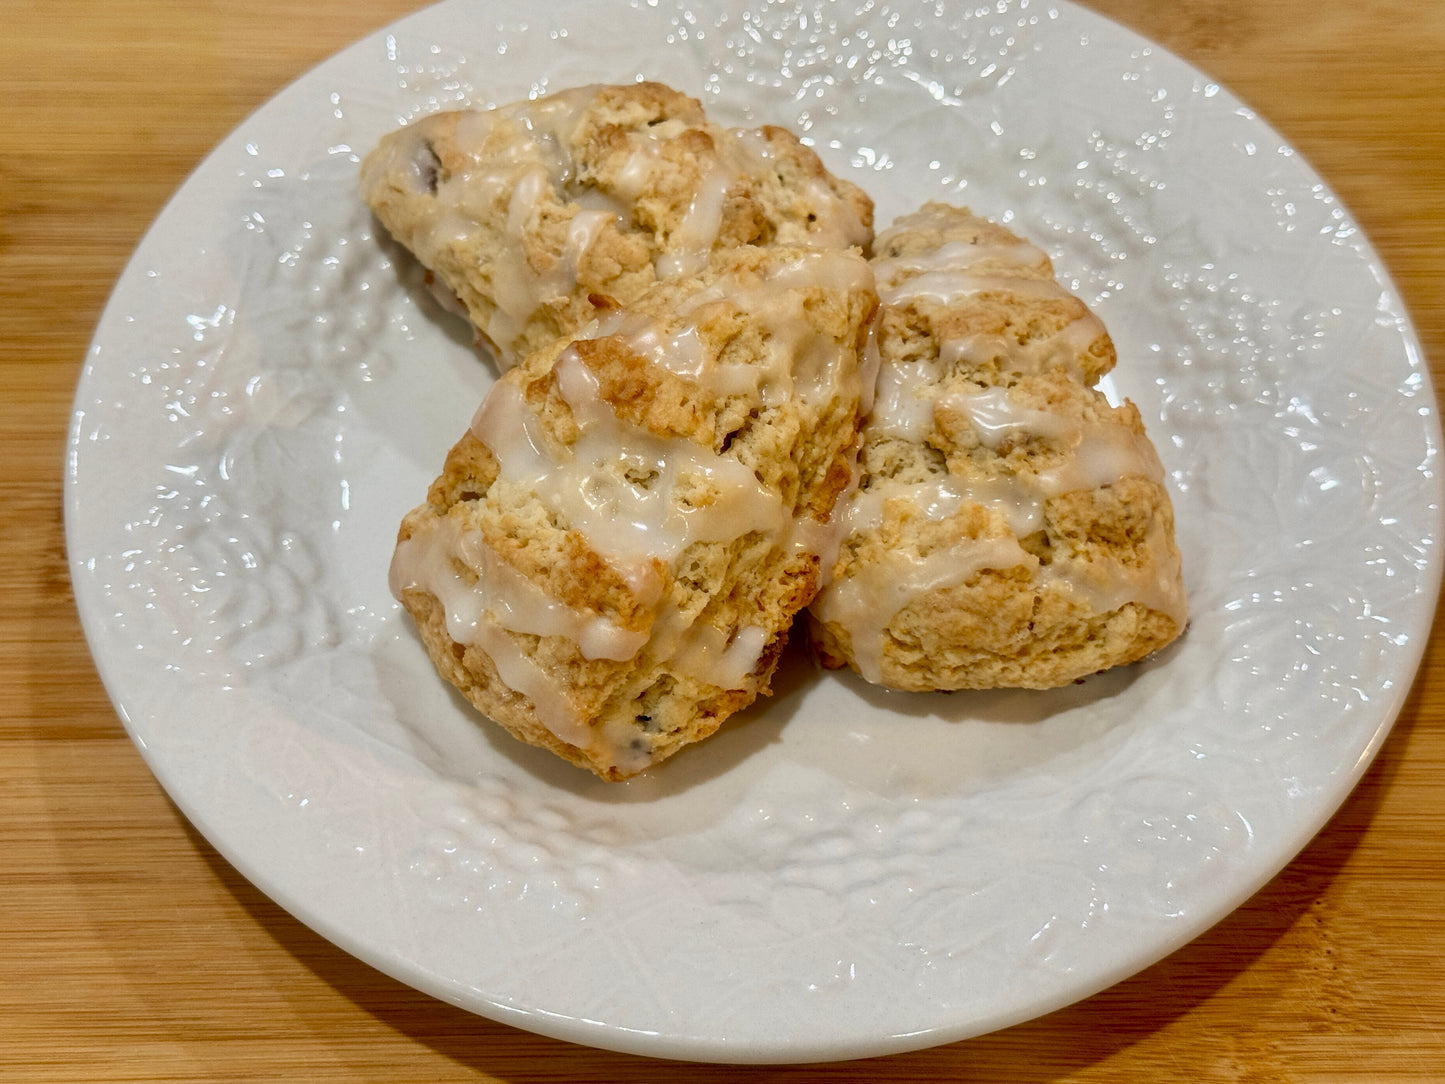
(1009, 527)
(611, 559)
(529, 213)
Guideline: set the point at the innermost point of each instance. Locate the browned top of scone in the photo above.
(948, 276)
(531, 212)
(1009, 526)
(657, 487)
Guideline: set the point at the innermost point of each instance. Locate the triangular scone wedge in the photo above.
(611, 559)
(528, 213)
(1009, 527)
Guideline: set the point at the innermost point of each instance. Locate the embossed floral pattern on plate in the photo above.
(842, 871)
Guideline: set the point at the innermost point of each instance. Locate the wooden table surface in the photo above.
(130, 951)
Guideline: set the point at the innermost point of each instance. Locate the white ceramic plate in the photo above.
(842, 872)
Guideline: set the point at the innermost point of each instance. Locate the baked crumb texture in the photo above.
(1009, 527)
(690, 338)
(615, 550)
(531, 215)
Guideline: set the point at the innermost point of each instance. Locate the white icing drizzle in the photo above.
(1060, 350)
(691, 243)
(680, 352)
(687, 494)
(866, 604)
(954, 256)
(630, 183)
(497, 593)
(957, 271)
(516, 288)
(838, 226)
(709, 654)
(835, 270)
(1094, 455)
(798, 364)
(869, 369)
(995, 418)
(515, 153)
(743, 154)
(582, 233)
(948, 287)
(482, 607)
(909, 400)
(903, 402)
(640, 500)
(518, 155)
(806, 366)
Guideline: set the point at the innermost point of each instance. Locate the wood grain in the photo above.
(130, 951)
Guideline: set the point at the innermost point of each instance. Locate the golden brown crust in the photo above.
(1010, 527)
(1010, 318)
(532, 213)
(733, 446)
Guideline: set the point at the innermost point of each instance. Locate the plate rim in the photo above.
(698, 1048)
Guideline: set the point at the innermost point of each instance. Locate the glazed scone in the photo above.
(528, 213)
(611, 559)
(1009, 527)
